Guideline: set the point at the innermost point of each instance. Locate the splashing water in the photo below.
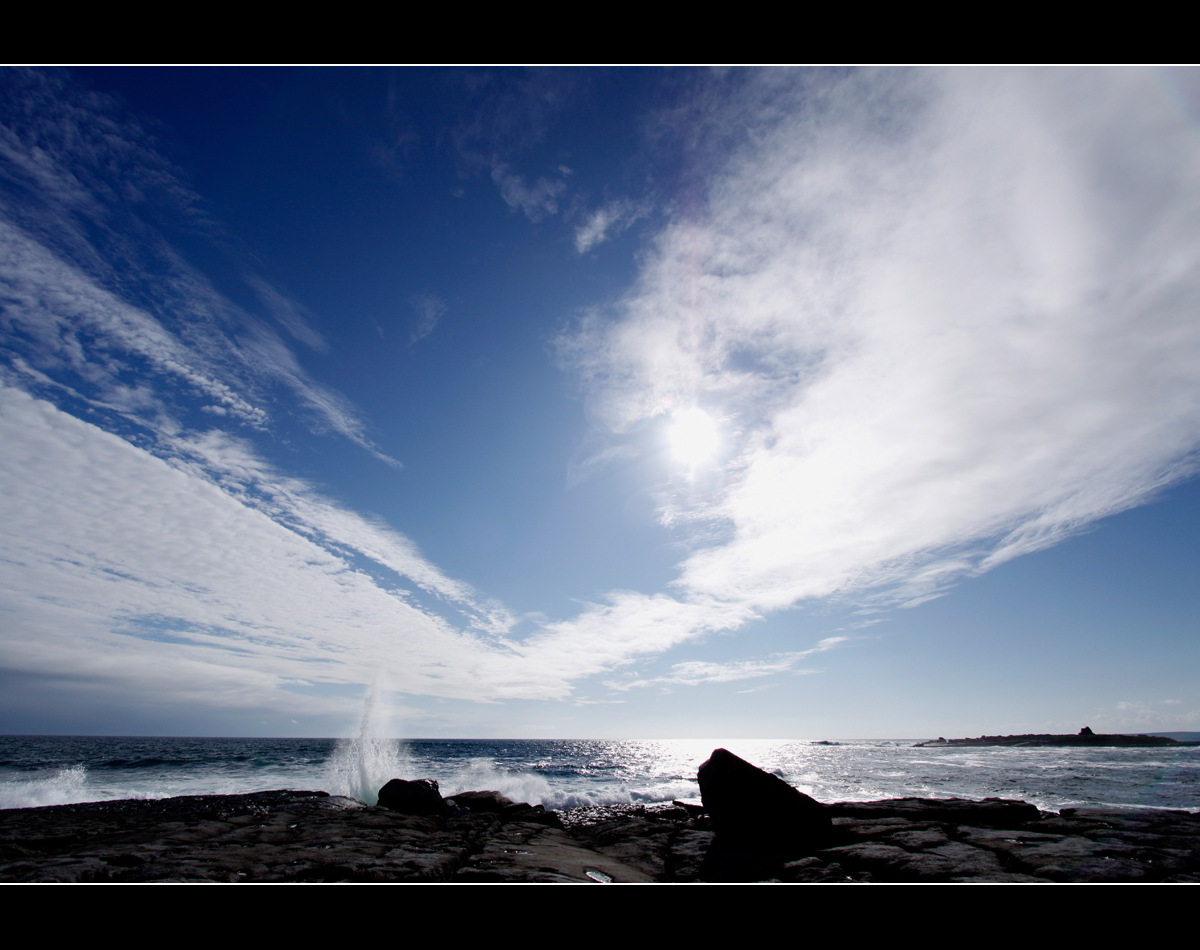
(360, 767)
(63, 786)
(482, 773)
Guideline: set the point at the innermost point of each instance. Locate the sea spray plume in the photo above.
(360, 767)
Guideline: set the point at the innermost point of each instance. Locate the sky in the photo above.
(813, 403)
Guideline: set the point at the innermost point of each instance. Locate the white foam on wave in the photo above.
(564, 799)
(63, 787)
(532, 787)
(481, 774)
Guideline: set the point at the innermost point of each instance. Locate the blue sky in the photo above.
(807, 403)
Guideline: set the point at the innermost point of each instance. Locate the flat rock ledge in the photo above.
(291, 836)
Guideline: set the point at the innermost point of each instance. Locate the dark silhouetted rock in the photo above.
(535, 814)
(483, 801)
(752, 810)
(420, 797)
(491, 802)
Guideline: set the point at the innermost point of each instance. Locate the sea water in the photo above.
(53, 770)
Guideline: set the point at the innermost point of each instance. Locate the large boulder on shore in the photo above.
(753, 810)
(420, 797)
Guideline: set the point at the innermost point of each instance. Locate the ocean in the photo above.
(561, 773)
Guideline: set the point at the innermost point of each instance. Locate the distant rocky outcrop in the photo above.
(1085, 737)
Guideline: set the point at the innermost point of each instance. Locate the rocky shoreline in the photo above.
(310, 836)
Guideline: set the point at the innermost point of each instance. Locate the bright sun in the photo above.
(693, 436)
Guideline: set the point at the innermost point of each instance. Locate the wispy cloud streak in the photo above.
(608, 221)
(94, 283)
(538, 200)
(698, 672)
(429, 310)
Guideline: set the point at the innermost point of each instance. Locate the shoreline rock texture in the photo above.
(310, 836)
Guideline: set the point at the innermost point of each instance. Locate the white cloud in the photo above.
(93, 290)
(593, 455)
(951, 313)
(697, 672)
(68, 323)
(112, 561)
(949, 317)
(606, 636)
(429, 309)
(290, 315)
(608, 221)
(537, 201)
(190, 546)
(233, 465)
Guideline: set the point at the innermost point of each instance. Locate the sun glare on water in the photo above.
(693, 436)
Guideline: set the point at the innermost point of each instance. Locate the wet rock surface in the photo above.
(310, 836)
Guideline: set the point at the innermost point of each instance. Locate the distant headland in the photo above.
(1085, 737)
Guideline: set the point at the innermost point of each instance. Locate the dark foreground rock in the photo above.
(311, 836)
(755, 811)
(419, 797)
